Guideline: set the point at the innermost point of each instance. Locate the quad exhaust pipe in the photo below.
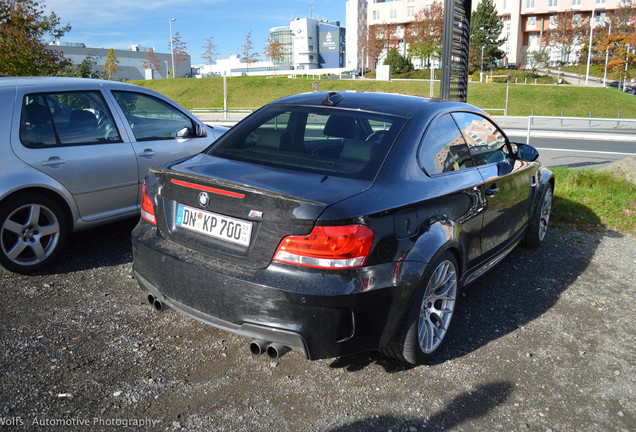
(274, 350)
(156, 303)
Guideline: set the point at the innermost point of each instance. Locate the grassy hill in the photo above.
(253, 92)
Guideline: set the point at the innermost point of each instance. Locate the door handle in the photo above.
(492, 191)
(54, 161)
(147, 153)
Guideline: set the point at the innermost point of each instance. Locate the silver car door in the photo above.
(72, 137)
(162, 133)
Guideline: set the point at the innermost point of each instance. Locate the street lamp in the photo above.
(626, 68)
(589, 53)
(481, 69)
(171, 48)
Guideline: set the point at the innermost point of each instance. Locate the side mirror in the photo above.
(527, 153)
(200, 131)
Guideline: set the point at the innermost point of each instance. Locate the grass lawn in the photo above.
(589, 199)
(253, 92)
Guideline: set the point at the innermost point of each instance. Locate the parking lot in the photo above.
(546, 341)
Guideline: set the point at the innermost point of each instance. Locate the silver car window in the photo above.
(153, 119)
(66, 118)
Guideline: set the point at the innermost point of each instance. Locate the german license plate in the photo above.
(214, 225)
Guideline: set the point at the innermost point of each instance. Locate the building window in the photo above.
(393, 13)
(554, 21)
(600, 3)
(376, 15)
(532, 23)
(410, 11)
(576, 3)
(533, 40)
(530, 4)
(600, 19)
(552, 3)
(577, 19)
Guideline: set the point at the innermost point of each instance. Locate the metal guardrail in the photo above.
(587, 120)
(221, 110)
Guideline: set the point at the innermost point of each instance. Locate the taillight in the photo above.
(332, 247)
(147, 209)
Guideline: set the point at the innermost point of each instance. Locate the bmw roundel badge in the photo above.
(204, 199)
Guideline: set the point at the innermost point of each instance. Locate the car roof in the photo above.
(9, 81)
(388, 103)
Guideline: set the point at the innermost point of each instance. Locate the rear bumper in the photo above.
(322, 314)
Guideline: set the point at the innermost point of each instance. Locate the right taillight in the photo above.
(147, 209)
(330, 247)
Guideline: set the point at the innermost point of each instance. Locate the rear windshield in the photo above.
(327, 141)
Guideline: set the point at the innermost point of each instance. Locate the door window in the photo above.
(443, 148)
(485, 141)
(153, 119)
(69, 118)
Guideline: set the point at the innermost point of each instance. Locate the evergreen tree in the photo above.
(399, 64)
(486, 29)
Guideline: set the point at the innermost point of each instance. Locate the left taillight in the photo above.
(147, 209)
(329, 247)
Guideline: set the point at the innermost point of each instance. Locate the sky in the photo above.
(121, 23)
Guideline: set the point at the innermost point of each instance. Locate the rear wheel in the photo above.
(32, 233)
(539, 225)
(429, 317)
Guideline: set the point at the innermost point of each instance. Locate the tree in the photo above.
(211, 51)
(275, 51)
(24, 34)
(152, 62)
(425, 33)
(399, 64)
(564, 33)
(486, 28)
(85, 68)
(111, 66)
(617, 44)
(179, 51)
(249, 55)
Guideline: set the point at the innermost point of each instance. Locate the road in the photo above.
(577, 152)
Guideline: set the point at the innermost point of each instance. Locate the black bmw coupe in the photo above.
(334, 223)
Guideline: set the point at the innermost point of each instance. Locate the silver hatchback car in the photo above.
(73, 155)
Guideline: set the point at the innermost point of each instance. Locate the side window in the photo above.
(153, 119)
(443, 148)
(69, 118)
(486, 143)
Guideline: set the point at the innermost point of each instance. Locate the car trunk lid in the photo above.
(240, 212)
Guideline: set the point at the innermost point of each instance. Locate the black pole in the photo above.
(455, 50)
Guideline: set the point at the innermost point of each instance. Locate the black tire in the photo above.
(426, 326)
(32, 233)
(540, 220)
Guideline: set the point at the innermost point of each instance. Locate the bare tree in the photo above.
(211, 51)
(249, 55)
(152, 62)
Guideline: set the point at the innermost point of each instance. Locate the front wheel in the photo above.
(540, 220)
(430, 314)
(32, 233)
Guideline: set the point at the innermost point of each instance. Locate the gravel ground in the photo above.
(545, 341)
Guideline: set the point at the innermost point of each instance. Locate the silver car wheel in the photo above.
(29, 234)
(437, 306)
(544, 218)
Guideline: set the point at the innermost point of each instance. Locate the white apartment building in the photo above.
(524, 22)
